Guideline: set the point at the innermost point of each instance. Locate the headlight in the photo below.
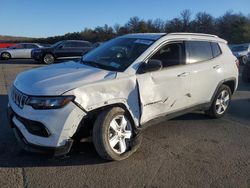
(49, 102)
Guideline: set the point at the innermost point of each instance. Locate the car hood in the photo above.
(59, 78)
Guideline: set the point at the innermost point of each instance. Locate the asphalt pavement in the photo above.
(189, 151)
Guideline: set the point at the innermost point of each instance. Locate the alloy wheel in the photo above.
(5, 56)
(222, 102)
(120, 133)
(48, 59)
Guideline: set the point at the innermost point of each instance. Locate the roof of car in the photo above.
(75, 41)
(156, 36)
(149, 36)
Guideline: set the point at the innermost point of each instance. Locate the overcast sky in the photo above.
(42, 18)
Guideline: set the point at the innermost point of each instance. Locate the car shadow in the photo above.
(243, 86)
(193, 116)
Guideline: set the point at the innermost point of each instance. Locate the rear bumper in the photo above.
(54, 151)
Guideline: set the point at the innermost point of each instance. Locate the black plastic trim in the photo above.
(172, 115)
(54, 151)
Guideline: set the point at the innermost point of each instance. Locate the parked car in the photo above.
(242, 52)
(60, 50)
(120, 88)
(21, 50)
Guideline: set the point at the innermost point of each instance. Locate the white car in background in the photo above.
(21, 50)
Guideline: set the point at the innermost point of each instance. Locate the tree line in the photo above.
(234, 27)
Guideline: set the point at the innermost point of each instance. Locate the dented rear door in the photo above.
(163, 92)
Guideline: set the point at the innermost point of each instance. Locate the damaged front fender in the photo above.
(121, 90)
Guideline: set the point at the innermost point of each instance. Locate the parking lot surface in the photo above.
(190, 151)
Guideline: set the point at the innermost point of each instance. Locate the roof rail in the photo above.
(195, 34)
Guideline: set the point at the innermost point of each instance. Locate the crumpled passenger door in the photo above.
(163, 92)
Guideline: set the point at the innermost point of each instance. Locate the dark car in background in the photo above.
(60, 50)
(241, 51)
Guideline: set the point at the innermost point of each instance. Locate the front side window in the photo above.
(117, 54)
(68, 45)
(198, 51)
(171, 54)
(57, 44)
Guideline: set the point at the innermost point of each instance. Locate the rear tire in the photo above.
(220, 102)
(48, 59)
(114, 136)
(5, 56)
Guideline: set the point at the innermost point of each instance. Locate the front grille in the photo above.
(18, 97)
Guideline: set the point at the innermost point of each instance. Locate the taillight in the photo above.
(237, 63)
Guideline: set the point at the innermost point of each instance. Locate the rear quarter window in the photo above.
(216, 49)
(198, 51)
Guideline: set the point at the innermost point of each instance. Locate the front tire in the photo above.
(5, 56)
(48, 59)
(113, 134)
(220, 102)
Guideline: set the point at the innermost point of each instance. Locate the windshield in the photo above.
(117, 54)
(240, 48)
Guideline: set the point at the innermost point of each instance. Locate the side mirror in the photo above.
(60, 47)
(150, 66)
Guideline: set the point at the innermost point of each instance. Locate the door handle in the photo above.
(216, 67)
(183, 74)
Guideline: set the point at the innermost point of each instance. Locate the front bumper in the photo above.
(54, 151)
(60, 123)
(36, 55)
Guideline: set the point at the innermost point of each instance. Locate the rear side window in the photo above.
(216, 49)
(198, 51)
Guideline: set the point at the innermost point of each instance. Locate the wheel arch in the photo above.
(86, 125)
(230, 82)
(6, 52)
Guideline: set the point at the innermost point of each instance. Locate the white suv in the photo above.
(117, 89)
